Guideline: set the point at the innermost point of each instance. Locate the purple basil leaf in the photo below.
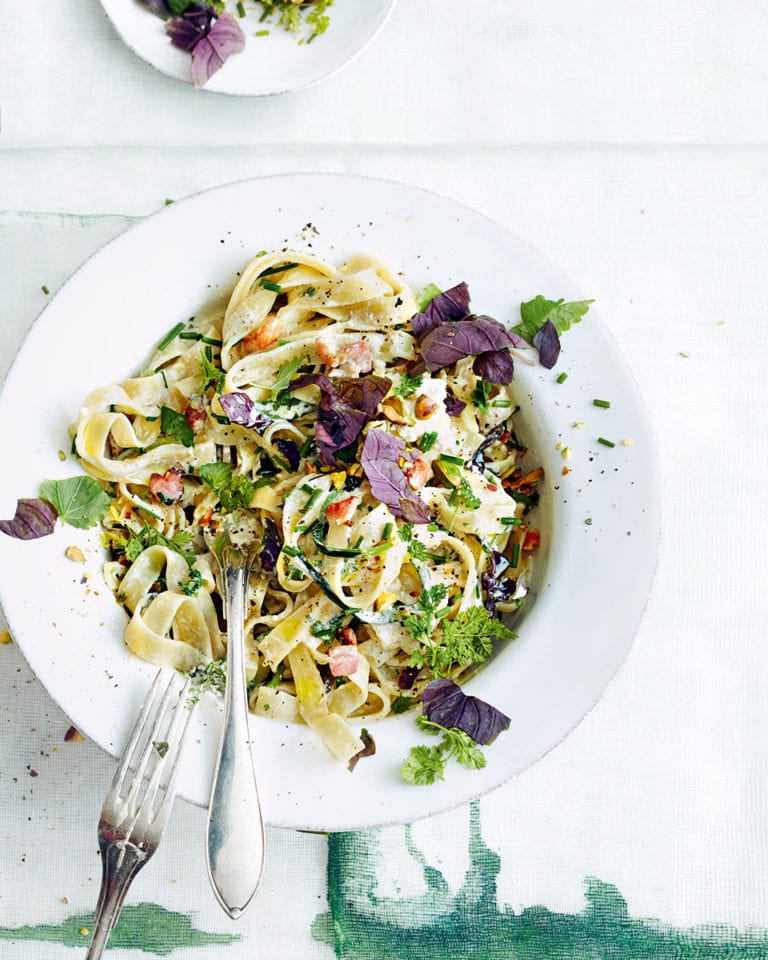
(188, 29)
(290, 451)
(346, 406)
(450, 342)
(495, 366)
(33, 519)
(369, 749)
(272, 546)
(160, 8)
(453, 405)
(380, 460)
(547, 343)
(446, 307)
(407, 677)
(211, 52)
(496, 587)
(446, 703)
(241, 409)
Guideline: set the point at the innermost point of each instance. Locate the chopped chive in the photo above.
(381, 547)
(62, 456)
(309, 292)
(282, 343)
(190, 335)
(606, 443)
(529, 500)
(261, 33)
(605, 404)
(386, 531)
(278, 674)
(262, 18)
(360, 540)
(262, 482)
(501, 403)
(305, 488)
(219, 419)
(515, 554)
(447, 458)
(433, 527)
(511, 521)
(165, 381)
(274, 287)
(306, 447)
(172, 334)
(45, 290)
(290, 551)
(313, 498)
(427, 441)
(212, 342)
(563, 377)
(240, 9)
(150, 419)
(271, 270)
(168, 202)
(261, 253)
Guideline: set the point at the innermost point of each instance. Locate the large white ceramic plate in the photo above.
(268, 65)
(599, 523)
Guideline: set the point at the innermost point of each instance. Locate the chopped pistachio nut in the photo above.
(5, 637)
(75, 553)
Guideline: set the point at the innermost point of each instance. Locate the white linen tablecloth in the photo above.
(629, 143)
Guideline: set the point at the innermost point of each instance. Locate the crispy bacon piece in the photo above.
(263, 336)
(341, 511)
(167, 487)
(347, 635)
(355, 358)
(532, 540)
(196, 415)
(343, 660)
(418, 474)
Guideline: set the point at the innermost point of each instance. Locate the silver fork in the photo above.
(235, 828)
(139, 800)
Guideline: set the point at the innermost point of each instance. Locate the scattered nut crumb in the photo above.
(684, 353)
(567, 451)
(588, 521)
(75, 553)
(33, 773)
(5, 637)
(84, 931)
(73, 735)
(565, 471)
(558, 446)
(627, 442)
(578, 423)
(65, 899)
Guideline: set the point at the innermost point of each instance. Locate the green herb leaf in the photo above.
(233, 489)
(285, 373)
(408, 385)
(422, 622)
(176, 425)
(79, 501)
(536, 312)
(427, 441)
(423, 766)
(191, 586)
(211, 375)
(466, 639)
(150, 537)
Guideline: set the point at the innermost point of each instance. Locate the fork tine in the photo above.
(130, 750)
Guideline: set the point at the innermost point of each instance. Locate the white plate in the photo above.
(600, 523)
(273, 64)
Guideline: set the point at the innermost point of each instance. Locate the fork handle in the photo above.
(121, 861)
(235, 830)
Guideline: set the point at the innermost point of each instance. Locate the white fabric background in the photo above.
(629, 143)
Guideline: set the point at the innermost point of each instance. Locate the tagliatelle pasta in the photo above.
(378, 460)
